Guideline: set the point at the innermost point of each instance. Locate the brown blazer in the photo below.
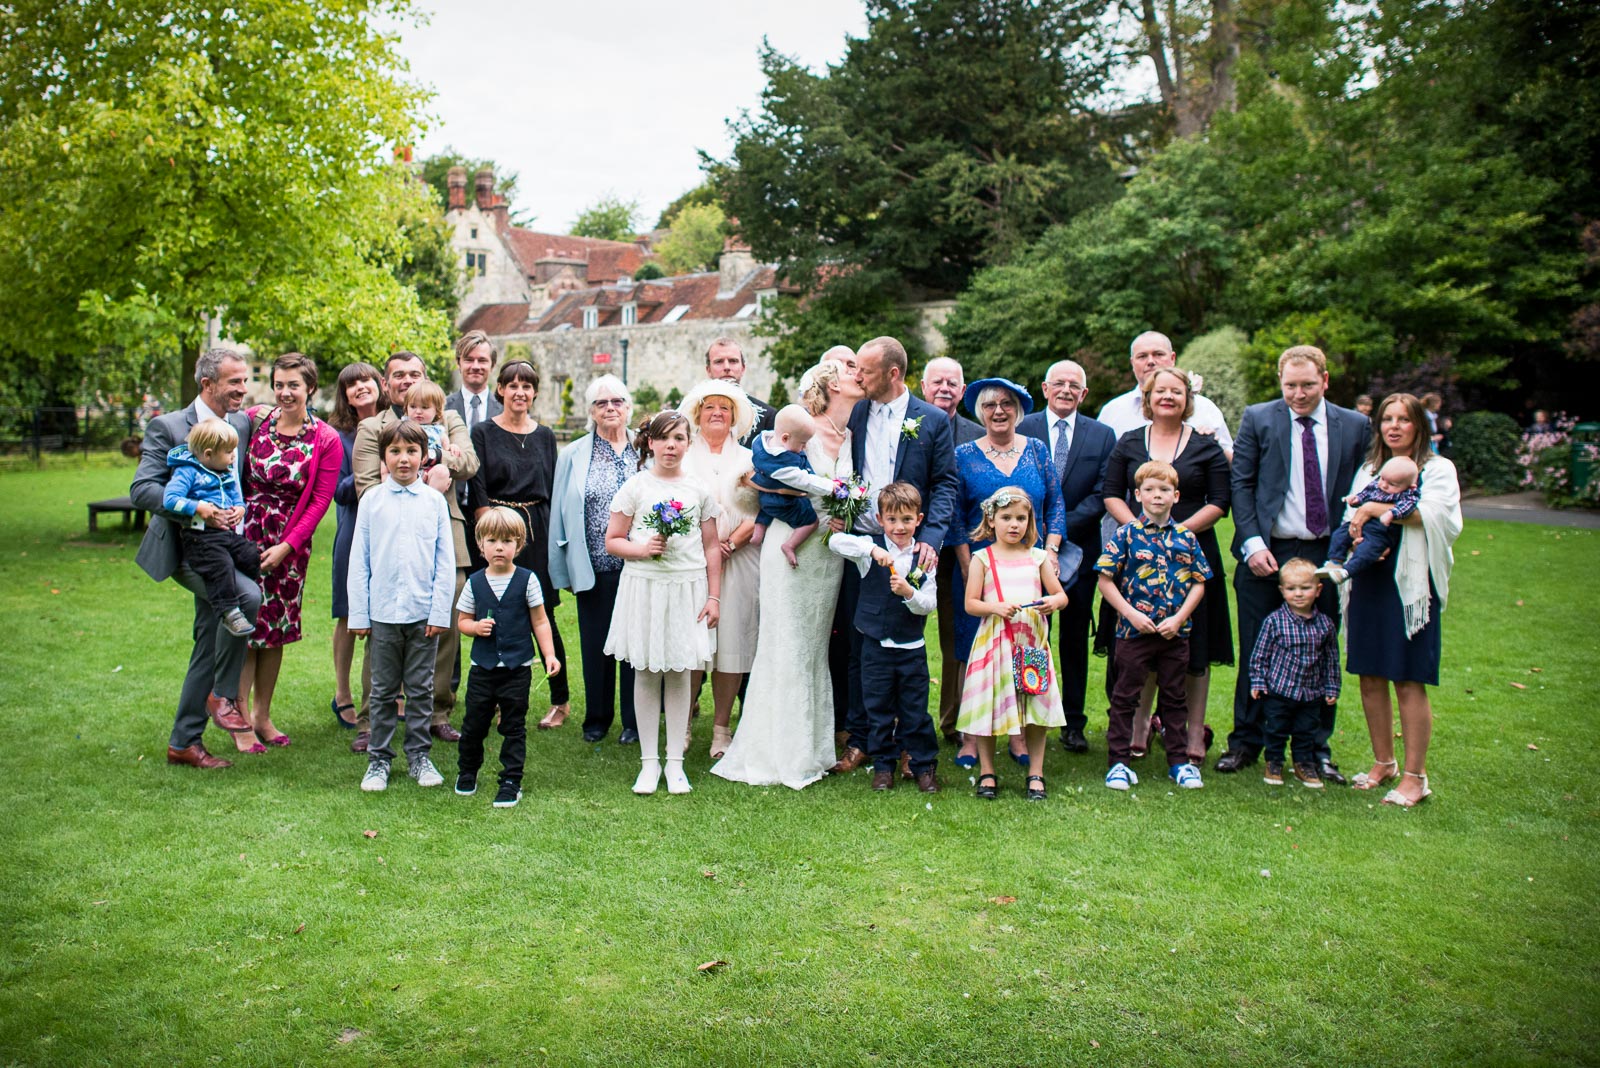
(366, 466)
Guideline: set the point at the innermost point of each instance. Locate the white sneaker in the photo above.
(677, 781)
(1120, 777)
(425, 773)
(1334, 573)
(377, 776)
(238, 623)
(649, 777)
(1186, 776)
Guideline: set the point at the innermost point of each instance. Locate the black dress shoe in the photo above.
(629, 736)
(1331, 773)
(593, 735)
(1074, 740)
(1234, 760)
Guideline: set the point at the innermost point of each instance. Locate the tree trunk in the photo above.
(188, 388)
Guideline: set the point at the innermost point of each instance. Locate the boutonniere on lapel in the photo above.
(916, 577)
(910, 427)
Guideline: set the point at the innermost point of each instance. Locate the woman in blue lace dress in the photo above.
(1002, 457)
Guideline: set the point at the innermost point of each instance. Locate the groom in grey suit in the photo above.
(211, 687)
(1281, 511)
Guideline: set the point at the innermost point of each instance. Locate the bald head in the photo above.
(943, 384)
(1150, 350)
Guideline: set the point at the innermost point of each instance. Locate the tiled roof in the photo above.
(605, 261)
(497, 320)
(658, 297)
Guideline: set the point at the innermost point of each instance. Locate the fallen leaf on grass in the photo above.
(55, 591)
(1537, 671)
(302, 927)
(97, 902)
(1475, 552)
(709, 874)
(370, 834)
(1093, 1044)
(348, 1035)
(1533, 747)
(1004, 899)
(116, 669)
(1519, 602)
(395, 987)
(711, 964)
(1519, 686)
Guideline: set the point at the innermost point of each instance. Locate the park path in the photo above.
(1528, 508)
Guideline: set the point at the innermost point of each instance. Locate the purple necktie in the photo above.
(1316, 502)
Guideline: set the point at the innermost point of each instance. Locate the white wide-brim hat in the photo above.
(744, 413)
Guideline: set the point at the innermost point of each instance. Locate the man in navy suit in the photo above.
(1293, 459)
(211, 687)
(943, 385)
(894, 438)
(1080, 447)
(725, 360)
(473, 402)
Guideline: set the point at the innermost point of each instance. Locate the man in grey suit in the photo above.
(1080, 447)
(473, 402)
(943, 386)
(211, 686)
(1293, 460)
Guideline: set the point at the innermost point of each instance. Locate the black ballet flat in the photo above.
(990, 792)
(1036, 793)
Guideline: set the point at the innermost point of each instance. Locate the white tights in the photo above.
(652, 690)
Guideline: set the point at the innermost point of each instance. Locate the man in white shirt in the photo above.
(1125, 412)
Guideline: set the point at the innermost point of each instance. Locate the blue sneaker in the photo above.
(1120, 777)
(1186, 776)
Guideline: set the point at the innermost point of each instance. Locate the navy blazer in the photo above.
(1085, 476)
(1261, 454)
(927, 461)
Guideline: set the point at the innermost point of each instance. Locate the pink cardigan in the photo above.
(327, 452)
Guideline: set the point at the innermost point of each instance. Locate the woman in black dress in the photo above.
(516, 468)
(1203, 497)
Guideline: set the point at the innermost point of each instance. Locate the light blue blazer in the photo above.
(570, 566)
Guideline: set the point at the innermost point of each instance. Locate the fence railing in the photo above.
(37, 432)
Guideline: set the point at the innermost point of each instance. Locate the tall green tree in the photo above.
(610, 217)
(694, 241)
(187, 160)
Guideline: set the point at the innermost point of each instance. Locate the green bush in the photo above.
(1485, 451)
(1552, 473)
(674, 397)
(780, 394)
(646, 399)
(1218, 358)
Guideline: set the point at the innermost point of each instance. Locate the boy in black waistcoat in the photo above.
(895, 600)
(502, 607)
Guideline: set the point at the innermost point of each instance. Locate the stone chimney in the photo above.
(484, 188)
(457, 182)
(735, 265)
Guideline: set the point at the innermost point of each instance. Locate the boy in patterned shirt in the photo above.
(1295, 667)
(1153, 573)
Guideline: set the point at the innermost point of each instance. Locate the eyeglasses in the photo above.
(1073, 386)
(611, 402)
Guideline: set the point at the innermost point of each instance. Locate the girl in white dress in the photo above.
(667, 598)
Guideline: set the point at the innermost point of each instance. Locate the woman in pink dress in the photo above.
(290, 469)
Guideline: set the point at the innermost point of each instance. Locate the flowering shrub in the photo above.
(1546, 460)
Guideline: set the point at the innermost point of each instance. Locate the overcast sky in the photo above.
(617, 96)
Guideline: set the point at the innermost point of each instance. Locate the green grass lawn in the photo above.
(159, 915)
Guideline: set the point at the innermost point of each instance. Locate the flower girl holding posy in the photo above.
(1011, 587)
(663, 527)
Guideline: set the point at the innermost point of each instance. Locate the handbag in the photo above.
(1030, 664)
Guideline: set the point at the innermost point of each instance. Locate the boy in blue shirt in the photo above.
(203, 485)
(502, 607)
(402, 576)
(1153, 573)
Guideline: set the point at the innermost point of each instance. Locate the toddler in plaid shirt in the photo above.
(1295, 667)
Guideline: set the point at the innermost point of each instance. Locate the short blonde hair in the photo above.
(1298, 568)
(502, 523)
(426, 394)
(1303, 354)
(209, 434)
(1149, 384)
(1159, 470)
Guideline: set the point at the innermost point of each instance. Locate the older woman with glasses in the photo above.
(589, 472)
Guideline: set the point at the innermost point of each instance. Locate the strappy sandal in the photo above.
(1365, 781)
(992, 791)
(555, 717)
(1036, 793)
(338, 714)
(1400, 800)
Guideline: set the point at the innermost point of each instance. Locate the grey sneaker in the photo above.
(377, 776)
(238, 623)
(424, 772)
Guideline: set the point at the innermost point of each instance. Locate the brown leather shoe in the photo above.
(883, 780)
(928, 782)
(905, 767)
(195, 756)
(358, 744)
(226, 715)
(852, 759)
(445, 733)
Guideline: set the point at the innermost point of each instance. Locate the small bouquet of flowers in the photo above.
(847, 501)
(668, 518)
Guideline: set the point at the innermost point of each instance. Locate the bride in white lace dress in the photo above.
(785, 732)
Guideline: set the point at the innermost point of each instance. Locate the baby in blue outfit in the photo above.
(780, 461)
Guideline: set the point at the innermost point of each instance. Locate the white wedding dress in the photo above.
(785, 733)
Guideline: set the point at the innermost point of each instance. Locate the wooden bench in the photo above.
(130, 515)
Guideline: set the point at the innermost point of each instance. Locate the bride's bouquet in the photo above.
(847, 501)
(668, 518)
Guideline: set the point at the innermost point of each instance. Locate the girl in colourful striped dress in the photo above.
(1011, 587)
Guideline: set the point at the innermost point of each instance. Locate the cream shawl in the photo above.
(1425, 552)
